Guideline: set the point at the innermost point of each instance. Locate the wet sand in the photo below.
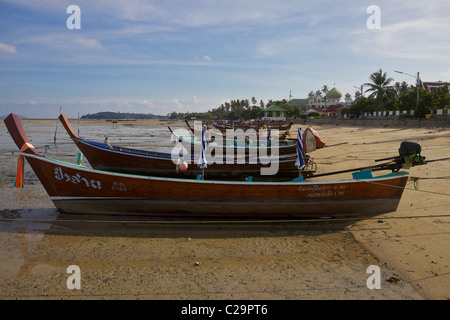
(154, 260)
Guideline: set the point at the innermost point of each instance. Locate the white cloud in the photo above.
(88, 43)
(165, 106)
(295, 44)
(405, 36)
(7, 48)
(446, 74)
(177, 104)
(207, 58)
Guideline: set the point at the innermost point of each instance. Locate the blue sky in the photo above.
(163, 56)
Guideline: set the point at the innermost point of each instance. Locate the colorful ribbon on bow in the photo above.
(21, 166)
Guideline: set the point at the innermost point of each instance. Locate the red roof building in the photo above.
(334, 111)
(431, 86)
(335, 108)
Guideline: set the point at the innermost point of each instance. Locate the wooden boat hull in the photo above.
(127, 160)
(225, 210)
(80, 190)
(102, 158)
(223, 129)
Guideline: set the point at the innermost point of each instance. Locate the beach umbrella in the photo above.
(300, 162)
(202, 163)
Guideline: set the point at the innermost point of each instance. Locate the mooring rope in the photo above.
(416, 185)
(212, 222)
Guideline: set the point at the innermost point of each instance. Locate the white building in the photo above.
(332, 98)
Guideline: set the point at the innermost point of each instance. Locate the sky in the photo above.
(158, 57)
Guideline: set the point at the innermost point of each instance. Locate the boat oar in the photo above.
(56, 129)
(390, 158)
(189, 126)
(176, 136)
(442, 159)
(385, 166)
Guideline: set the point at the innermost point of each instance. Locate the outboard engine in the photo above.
(410, 152)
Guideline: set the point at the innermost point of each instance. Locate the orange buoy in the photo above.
(183, 166)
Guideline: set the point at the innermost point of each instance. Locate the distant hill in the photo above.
(4, 116)
(121, 115)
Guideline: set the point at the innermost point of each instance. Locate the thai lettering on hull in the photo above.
(318, 191)
(76, 179)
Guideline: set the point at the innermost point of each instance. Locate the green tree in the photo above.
(407, 99)
(400, 88)
(441, 97)
(362, 106)
(284, 104)
(173, 115)
(380, 88)
(425, 103)
(325, 91)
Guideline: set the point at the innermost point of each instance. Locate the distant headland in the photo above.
(121, 116)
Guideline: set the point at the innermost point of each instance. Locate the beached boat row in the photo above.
(150, 190)
(110, 157)
(246, 125)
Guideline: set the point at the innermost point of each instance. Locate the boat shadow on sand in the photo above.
(48, 221)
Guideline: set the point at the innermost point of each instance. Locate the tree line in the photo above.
(236, 109)
(384, 95)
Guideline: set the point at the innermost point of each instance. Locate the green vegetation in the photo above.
(380, 88)
(236, 109)
(386, 97)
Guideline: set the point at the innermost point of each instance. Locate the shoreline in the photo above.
(442, 121)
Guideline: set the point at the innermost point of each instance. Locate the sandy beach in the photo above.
(136, 259)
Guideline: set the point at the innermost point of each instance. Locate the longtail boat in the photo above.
(240, 142)
(311, 138)
(110, 157)
(244, 125)
(222, 128)
(80, 190)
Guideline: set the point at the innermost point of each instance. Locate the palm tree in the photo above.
(380, 88)
(325, 91)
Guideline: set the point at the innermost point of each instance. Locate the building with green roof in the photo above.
(332, 97)
(334, 94)
(299, 103)
(275, 113)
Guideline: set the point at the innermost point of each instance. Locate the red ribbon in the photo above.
(21, 166)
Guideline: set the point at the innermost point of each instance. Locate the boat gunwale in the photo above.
(167, 156)
(390, 176)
